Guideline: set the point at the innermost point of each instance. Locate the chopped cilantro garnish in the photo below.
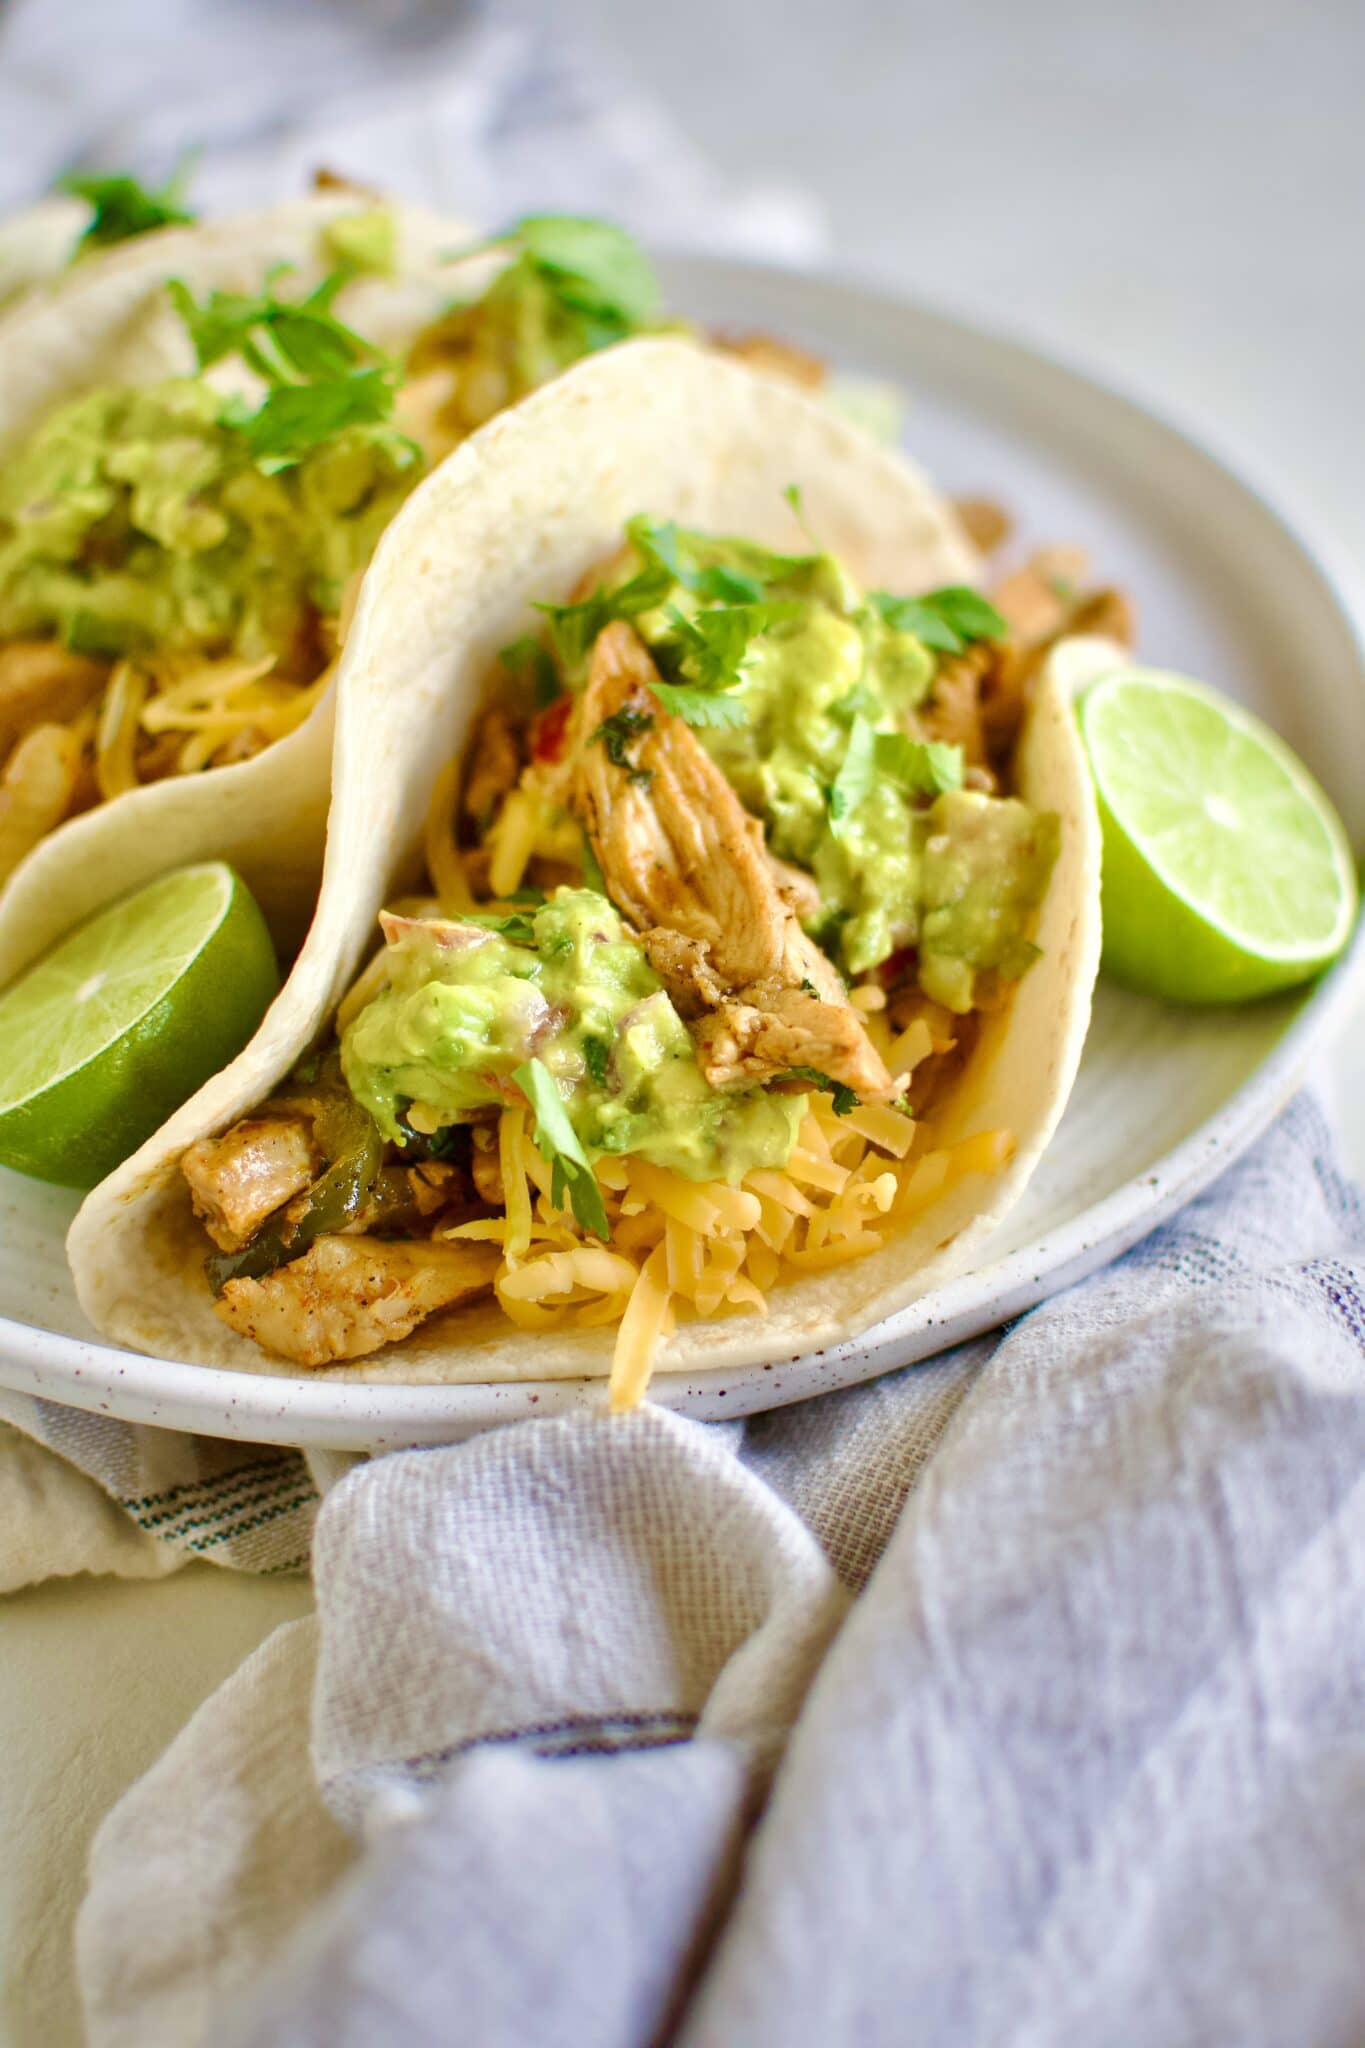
(121, 207)
(295, 417)
(321, 376)
(920, 767)
(702, 657)
(517, 926)
(558, 1144)
(598, 269)
(599, 282)
(596, 1055)
(943, 619)
(845, 1099)
(857, 771)
(698, 707)
(620, 731)
(574, 627)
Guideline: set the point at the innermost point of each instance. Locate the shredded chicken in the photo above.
(768, 1029)
(494, 765)
(684, 967)
(39, 787)
(681, 858)
(774, 358)
(236, 1181)
(952, 711)
(979, 697)
(349, 1296)
(988, 524)
(1035, 598)
(43, 682)
(798, 890)
(485, 1165)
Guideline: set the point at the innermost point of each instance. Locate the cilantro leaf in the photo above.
(283, 340)
(517, 926)
(857, 772)
(293, 418)
(845, 1099)
(596, 1055)
(620, 731)
(921, 767)
(558, 1144)
(699, 707)
(586, 278)
(969, 613)
(574, 627)
(599, 268)
(320, 375)
(121, 207)
(943, 619)
(727, 586)
(702, 657)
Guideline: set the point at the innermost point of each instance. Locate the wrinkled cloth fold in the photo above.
(1083, 1764)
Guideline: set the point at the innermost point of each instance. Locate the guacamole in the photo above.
(137, 519)
(818, 740)
(468, 1004)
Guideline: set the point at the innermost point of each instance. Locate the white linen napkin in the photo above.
(1084, 1765)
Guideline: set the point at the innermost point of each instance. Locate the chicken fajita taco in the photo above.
(707, 934)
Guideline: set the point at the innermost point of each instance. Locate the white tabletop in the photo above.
(1172, 192)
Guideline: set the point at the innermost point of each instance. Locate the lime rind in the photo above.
(187, 1005)
(85, 968)
(1227, 873)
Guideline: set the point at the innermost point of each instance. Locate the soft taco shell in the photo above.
(109, 321)
(519, 513)
(36, 245)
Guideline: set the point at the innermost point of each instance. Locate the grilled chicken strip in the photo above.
(348, 1296)
(43, 682)
(768, 1029)
(682, 859)
(236, 1181)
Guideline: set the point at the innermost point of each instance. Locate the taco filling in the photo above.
(719, 891)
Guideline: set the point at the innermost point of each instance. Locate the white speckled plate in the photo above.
(1226, 589)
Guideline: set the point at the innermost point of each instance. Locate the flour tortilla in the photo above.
(519, 513)
(37, 244)
(109, 321)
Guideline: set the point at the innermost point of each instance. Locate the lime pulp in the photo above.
(1226, 871)
(124, 1018)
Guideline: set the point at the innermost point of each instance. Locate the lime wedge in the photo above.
(122, 1021)
(1226, 871)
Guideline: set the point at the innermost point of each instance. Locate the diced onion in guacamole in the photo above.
(468, 1004)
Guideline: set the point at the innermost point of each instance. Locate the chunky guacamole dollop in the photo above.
(814, 725)
(137, 519)
(468, 1004)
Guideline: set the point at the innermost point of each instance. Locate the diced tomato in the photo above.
(550, 730)
(897, 967)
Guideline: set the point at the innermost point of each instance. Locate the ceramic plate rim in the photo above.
(343, 1414)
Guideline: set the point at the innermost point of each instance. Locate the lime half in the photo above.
(1226, 870)
(122, 1021)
